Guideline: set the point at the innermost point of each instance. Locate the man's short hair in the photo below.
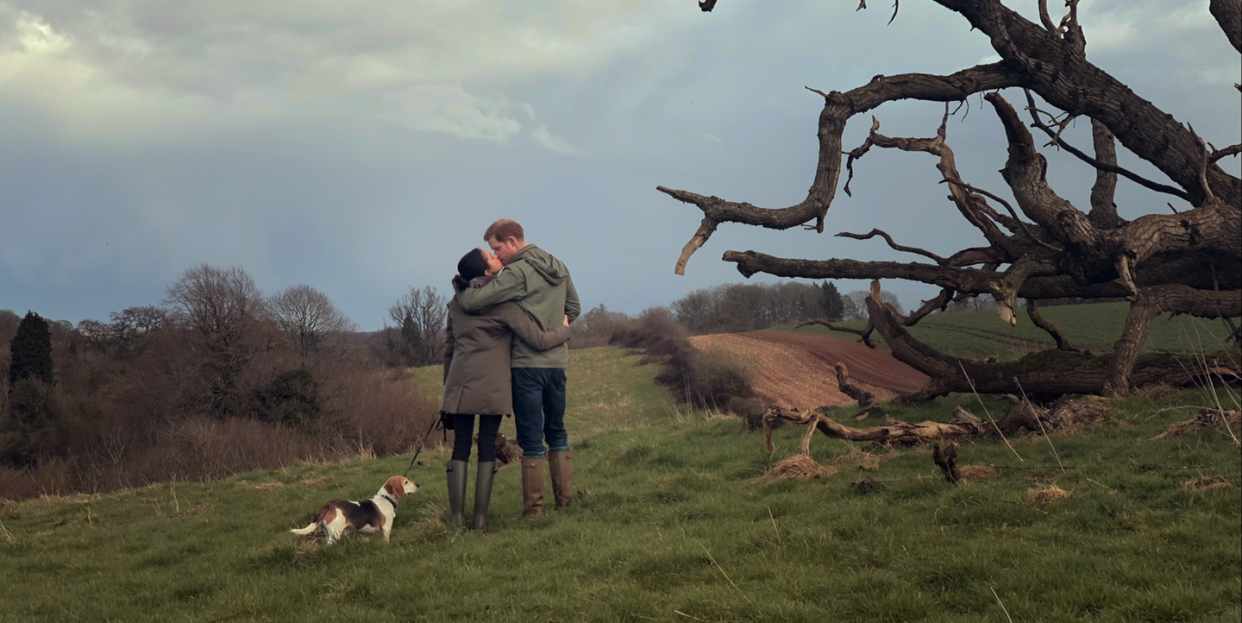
(504, 229)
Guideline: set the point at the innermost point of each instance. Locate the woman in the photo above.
(477, 380)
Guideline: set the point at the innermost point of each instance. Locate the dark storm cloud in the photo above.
(361, 148)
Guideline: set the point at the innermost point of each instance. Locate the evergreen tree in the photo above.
(31, 427)
(31, 351)
(834, 307)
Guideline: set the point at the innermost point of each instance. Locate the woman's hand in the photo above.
(565, 323)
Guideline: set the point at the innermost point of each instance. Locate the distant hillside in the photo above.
(1095, 327)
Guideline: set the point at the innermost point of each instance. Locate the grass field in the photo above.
(675, 521)
(1095, 327)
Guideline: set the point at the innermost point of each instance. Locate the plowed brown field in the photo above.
(796, 369)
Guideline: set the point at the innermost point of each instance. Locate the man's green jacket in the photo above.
(541, 285)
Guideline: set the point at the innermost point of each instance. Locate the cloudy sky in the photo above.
(362, 147)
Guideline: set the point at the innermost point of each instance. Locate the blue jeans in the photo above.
(539, 410)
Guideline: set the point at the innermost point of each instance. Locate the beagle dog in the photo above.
(374, 515)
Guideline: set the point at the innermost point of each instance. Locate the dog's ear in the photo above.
(395, 487)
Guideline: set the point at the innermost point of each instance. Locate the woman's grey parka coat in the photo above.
(476, 355)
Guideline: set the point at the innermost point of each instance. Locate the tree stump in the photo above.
(947, 462)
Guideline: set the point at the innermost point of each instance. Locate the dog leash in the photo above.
(436, 423)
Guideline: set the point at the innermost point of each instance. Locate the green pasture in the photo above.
(1095, 327)
(676, 521)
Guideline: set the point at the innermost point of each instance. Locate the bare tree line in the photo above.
(734, 308)
(218, 378)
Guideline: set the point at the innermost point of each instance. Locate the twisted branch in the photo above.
(876, 232)
(838, 109)
(1107, 167)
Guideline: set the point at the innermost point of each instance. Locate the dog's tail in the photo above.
(326, 514)
(310, 529)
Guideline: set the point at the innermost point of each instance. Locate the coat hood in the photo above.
(476, 283)
(547, 266)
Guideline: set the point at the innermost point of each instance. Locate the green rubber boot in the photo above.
(483, 494)
(456, 473)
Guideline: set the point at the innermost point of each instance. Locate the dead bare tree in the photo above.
(418, 337)
(1187, 262)
(127, 331)
(308, 317)
(225, 311)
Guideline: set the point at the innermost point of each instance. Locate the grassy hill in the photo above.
(675, 522)
(982, 334)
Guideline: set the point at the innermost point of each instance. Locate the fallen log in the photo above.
(1225, 420)
(1022, 415)
(885, 434)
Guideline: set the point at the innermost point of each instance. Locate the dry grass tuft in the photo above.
(431, 512)
(1215, 484)
(971, 473)
(865, 461)
(316, 482)
(307, 548)
(799, 466)
(428, 523)
(1156, 392)
(270, 486)
(1040, 498)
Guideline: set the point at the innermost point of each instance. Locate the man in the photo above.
(541, 285)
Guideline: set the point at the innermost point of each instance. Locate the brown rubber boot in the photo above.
(532, 487)
(561, 464)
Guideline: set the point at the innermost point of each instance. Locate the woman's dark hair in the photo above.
(472, 265)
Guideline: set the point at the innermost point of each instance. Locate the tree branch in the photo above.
(866, 400)
(1013, 224)
(864, 333)
(1064, 78)
(705, 231)
(838, 109)
(1053, 372)
(876, 232)
(959, 279)
(1025, 173)
(1228, 14)
(1103, 212)
(939, 302)
(947, 165)
(1032, 310)
(1151, 302)
(1102, 166)
(1232, 150)
(1046, 19)
(977, 281)
(1213, 226)
(1005, 290)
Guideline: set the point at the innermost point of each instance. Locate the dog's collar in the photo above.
(390, 500)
